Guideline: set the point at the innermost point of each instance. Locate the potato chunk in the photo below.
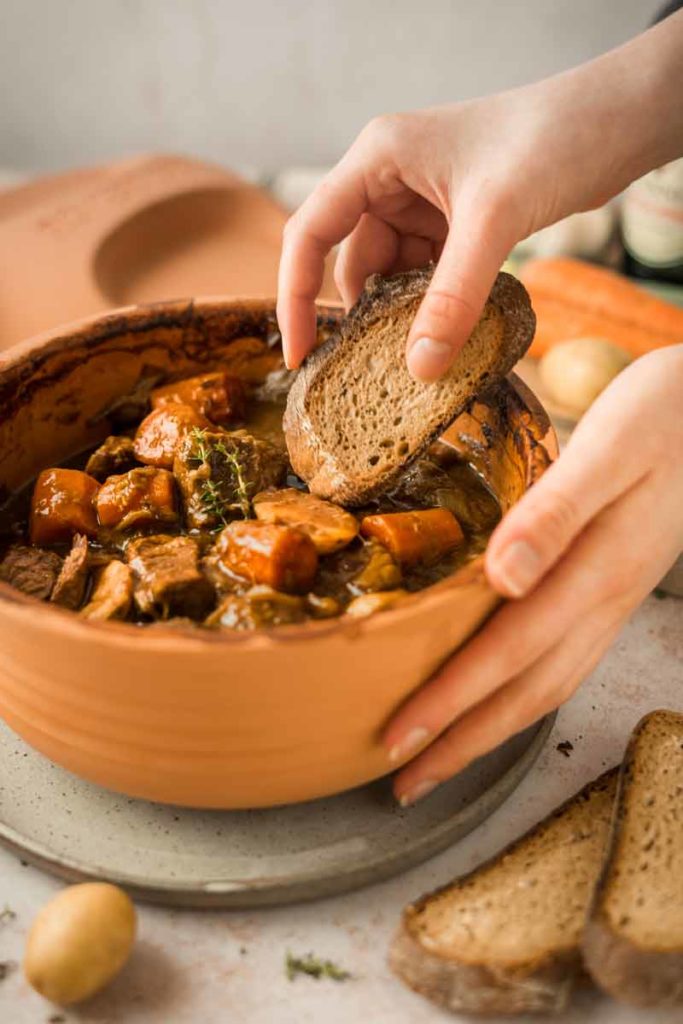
(112, 594)
(279, 556)
(63, 505)
(329, 526)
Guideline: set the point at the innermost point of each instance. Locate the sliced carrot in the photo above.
(414, 537)
(141, 496)
(557, 322)
(62, 505)
(160, 434)
(218, 396)
(575, 299)
(280, 556)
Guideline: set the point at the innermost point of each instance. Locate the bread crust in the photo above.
(541, 985)
(640, 977)
(631, 973)
(323, 470)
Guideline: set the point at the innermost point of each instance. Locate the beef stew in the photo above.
(194, 516)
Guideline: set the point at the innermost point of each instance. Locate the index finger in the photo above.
(329, 214)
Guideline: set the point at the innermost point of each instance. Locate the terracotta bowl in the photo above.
(218, 719)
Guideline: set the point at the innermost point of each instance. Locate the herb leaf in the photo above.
(210, 495)
(314, 968)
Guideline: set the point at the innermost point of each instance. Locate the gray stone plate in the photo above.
(182, 857)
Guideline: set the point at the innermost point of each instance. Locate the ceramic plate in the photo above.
(177, 856)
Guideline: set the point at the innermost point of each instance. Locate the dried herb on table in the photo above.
(6, 967)
(314, 968)
(7, 914)
(565, 747)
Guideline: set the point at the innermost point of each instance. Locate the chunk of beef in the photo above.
(63, 504)
(112, 594)
(115, 455)
(71, 584)
(329, 526)
(259, 608)
(159, 435)
(218, 396)
(30, 570)
(219, 473)
(142, 496)
(168, 580)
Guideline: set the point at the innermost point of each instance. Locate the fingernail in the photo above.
(409, 745)
(420, 790)
(518, 568)
(429, 358)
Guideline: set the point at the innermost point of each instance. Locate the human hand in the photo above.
(577, 555)
(463, 183)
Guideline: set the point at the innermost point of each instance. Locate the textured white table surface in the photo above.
(214, 967)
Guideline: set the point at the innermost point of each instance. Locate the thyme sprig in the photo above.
(243, 499)
(210, 495)
(314, 968)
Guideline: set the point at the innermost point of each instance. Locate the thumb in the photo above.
(587, 478)
(471, 258)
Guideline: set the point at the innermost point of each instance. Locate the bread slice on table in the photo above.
(355, 417)
(633, 943)
(506, 938)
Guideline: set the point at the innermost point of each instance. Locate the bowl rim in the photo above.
(145, 316)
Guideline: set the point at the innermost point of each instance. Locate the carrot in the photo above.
(160, 433)
(575, 299)
(280, 556)
(557, 322)
(218, 396)
(62, 505)
(141, 496)
(414, 537)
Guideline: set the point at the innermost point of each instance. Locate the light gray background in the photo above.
(266, 83)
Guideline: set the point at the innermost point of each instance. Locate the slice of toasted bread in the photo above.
(355, 417)
(633, 943)
(506, 938)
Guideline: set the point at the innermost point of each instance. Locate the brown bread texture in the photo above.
(505, 939)
(355, 417)
(633, 943)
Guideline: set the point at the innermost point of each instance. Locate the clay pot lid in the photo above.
(150, 228)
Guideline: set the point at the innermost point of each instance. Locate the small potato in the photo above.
(79, 941)
(575, 372)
